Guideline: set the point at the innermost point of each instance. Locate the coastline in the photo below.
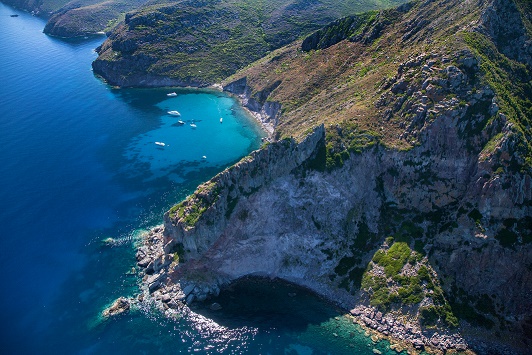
(260, 118)
(170, 286)
(267, 117)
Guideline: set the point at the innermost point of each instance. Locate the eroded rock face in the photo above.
(502, 21)
(216, 200)
(460, 196)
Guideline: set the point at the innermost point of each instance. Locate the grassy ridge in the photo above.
(343, 75)
(204, 42)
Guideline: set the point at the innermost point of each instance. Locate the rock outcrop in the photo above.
(70, 19)
(121, 305)
(214, 203)
(79, 19)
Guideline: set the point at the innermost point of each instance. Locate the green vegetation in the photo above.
(179, 251)
(211, 50)
(471, 315)
(85, 17)
(515, 231)
(396, 288)
(512, 82)
(344, 28)
(192, 208)
(231, 204)
(188, 212)
(344, 139)
(432, 314)
(394, 259)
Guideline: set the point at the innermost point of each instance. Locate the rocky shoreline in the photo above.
(267, 113)
(171, 297)
(160, 290)
(406, 334)
(157, 285)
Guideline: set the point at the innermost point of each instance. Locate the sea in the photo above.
(79, 164)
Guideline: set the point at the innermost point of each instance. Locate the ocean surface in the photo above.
(79, 164)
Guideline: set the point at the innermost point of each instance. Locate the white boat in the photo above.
(204, 157)
(160, 143)
(193, 125)
(171, 94)
(221, 119)
(180, 122)
(175, 113)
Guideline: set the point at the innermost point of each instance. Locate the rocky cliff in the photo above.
(413, 201)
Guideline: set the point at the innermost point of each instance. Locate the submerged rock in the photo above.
(109, 242)
(118, 307)
(216, 306)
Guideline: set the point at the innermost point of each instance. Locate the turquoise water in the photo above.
(80, 164)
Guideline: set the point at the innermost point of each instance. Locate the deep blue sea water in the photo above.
(79, 164)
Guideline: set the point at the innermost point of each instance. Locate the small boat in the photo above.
(221, 119)
(160, 143)
(181, 122)
(175, 113)
(171, 94)
(204, 157)
(193, 125)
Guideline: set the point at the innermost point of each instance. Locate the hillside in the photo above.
(89, 17)
(398, 182)
(78, 18)
(372, 70)
(200, 43)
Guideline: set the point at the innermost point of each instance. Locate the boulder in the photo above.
(188, 289)
(173, 304)
(144, 262)
(355, 312)
(418, 344)
(154, 282)
(166, 298)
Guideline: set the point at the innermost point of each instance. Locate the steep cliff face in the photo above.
(323, 229)
(415, 201)
(215, 201)
(33, 6)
